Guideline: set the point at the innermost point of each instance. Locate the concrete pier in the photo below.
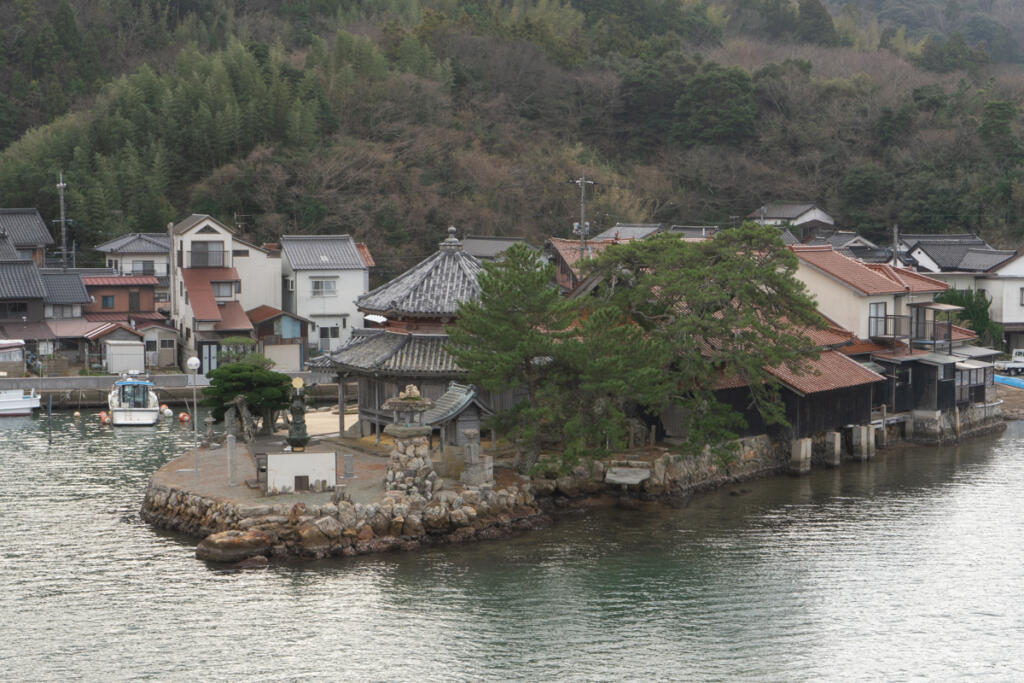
(863, 443)
(800, 456)
(833, 449)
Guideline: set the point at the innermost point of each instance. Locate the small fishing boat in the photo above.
(132, 401)
(15, 402)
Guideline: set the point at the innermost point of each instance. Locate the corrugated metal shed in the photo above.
(20, 280)
(64, 288)
(25, 227)
(322, 252)
(433, 288)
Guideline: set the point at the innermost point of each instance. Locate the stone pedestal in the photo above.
(800, 456)
(409, 468)
(478, 470)
(833, 449)
(863, 443)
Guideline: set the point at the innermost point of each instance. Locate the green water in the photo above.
(906, 567)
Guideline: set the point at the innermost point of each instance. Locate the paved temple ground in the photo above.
(369, 461)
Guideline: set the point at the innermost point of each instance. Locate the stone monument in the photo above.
(297, 437)
(409, 468)
(477, 470)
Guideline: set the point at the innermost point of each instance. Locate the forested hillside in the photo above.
(392, 120)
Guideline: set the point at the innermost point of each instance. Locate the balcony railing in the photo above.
(931, 331)
(205, 259)
(889, 326)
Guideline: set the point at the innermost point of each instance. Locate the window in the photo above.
(143, 268)
(222, 289)
(166, 343)
(25, 254)
(329, 332)
(239, 252)
(325, 287)
(112, 263)
(108, 301)
(876, 319)
(207, 254)
(60, 312)
(150, 345)
(1022, 296)
(12, 309)
(160, 296)
(344, 322)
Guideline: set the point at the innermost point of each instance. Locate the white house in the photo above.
(1004, 285)
(874, 301)
(215, 278)
(790, 213)
(323, 275)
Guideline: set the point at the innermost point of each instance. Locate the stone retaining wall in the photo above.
(235, 531)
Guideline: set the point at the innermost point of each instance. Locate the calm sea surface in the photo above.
(909, 567)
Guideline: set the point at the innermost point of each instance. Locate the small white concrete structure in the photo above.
(124, 356)
(800, 456)
(291, 472)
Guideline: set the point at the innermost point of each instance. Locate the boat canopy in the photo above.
(133, 382)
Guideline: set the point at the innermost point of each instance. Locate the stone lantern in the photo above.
(409, 468)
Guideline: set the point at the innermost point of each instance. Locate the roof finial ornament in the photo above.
(452, 243)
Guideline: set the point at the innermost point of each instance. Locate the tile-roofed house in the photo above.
(65, 295)
(980, 260)
(432, 289)
(142, 253)
(838, 239)
(490, 248)
(122, 298)
(944, 255)
(694, 231)
(630, 231)
(873, 301)
(137, 243)
(567, 255)
(789, 213)
(323, 277)
(7, 250)
(21, 280)
(28, 232)
(280, 336)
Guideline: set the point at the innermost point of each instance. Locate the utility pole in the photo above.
(895, 244)
(63, 229)
(582, 229)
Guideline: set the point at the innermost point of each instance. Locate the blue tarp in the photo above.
(1010, 381)
(125, 382)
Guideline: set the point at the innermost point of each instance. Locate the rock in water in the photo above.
(254, 562)
(233, 546)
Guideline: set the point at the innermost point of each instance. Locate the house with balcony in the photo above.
(903, 331)
(214, 277)
(142, 254)
(323, 275)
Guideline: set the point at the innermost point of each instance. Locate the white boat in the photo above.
(133, 402)
(16, 402)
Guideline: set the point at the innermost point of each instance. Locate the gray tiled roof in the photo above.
(433, 288)
(948, 254)
(836, 238)
(7, 250)
(194, 220)
(789, 238)
(20, 280)
(138, 243)
(391, 353)
(25, 227)
(489, 248)
(782, 210)
(451, 403)
(984, 259)
(84, 272)
(630, 231)
(64, 288)
(911, 238)
(321, 252)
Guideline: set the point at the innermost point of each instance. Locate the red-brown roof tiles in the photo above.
(232, 318)
(866, 278)
(832, 370)
(569, 250)
(200, 294)
(120, 281)
(364, 253)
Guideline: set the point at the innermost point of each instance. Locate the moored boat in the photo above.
(14, 402)
(132, 401)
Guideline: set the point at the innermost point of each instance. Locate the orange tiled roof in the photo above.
(569, 250)
(120, 281)
(866, 278)
(963, 333)
(261, 313)
(364, 253)
(200, 294)
(232, 318)
(832, 370)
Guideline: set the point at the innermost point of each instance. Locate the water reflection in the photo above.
(907, 566)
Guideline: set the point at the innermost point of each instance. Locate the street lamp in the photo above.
(193, 365)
